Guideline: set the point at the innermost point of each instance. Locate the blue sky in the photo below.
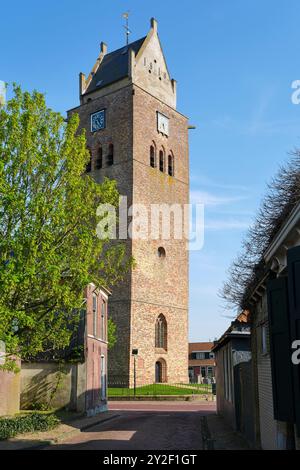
(234, 62)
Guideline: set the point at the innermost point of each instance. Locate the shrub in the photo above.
(38, 406)
(10, 427)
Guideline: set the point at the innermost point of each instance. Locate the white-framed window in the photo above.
(103, 377)
(95, 314)
(103, 320)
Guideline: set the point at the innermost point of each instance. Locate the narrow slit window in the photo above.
(152, 156)
(110, 156)
(161, 161)
(99, 161)
(170, 165)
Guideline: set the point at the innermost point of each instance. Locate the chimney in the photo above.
(103, 48)
(81, 83)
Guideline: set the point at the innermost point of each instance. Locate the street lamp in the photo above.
(134, 352)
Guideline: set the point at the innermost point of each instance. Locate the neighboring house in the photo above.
(235, 390)
(201, 361)
(76, 378)
(275, 314)
(274, 305)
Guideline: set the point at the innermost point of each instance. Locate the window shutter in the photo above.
(294, 300)
(280, 347)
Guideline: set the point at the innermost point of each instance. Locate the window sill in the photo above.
(161, 351)
(97, 338)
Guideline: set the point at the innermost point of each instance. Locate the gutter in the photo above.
(284, 232)
(278, 242)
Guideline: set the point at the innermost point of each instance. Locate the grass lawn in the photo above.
(161, 389)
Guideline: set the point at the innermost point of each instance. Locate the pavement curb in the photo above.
(69, 434)
(90, 425)
(60, 437)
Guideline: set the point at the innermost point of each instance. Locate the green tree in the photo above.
(49, 250)
(112, 333)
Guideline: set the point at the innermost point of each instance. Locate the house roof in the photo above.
(239, 328)
(114, 66)
(193, 347)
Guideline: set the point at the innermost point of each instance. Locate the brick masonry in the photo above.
(156, 285)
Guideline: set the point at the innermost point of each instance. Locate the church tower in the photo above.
(137, 137)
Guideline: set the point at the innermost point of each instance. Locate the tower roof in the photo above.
(114, 66)
(141, 63)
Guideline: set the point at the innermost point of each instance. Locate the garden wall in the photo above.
(53, 385)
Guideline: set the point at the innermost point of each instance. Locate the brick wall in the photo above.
(156, 286)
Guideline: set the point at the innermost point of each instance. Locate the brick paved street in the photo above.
(146, 425)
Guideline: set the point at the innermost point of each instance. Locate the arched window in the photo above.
(152, 157)
(171, 165)
(110, 156)
(160, 371)
(161, 161)
(99, 160)
(161, 332)
(88, 168)
(161, 252)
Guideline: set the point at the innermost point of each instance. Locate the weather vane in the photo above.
(126, 26)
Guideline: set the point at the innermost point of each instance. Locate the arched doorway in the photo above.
(160, 371)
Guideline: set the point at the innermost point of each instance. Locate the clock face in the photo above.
(98, 120)
(162, 124)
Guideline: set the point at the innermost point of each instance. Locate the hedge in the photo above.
(10, 427)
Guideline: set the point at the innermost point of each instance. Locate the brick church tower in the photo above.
(137, 137)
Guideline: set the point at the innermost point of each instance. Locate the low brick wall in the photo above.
(163, 398)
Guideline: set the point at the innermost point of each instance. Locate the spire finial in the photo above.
(126, 26)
